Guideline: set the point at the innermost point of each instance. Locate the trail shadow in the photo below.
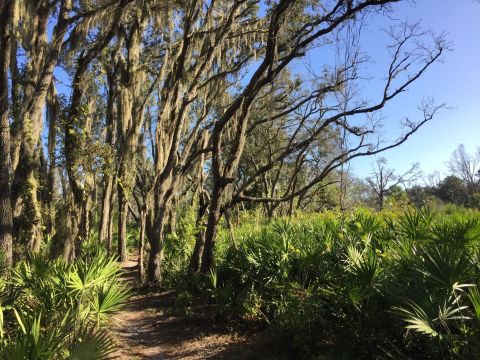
(150, 327)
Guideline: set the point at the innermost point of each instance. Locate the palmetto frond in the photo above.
(417, 319)
(90, 273)
(445, 266)
(92, 344)
(458, 233)
(432, 318)
(364, 266)
(53, 306)
(415, 224)
(473, 295)
(109, 299)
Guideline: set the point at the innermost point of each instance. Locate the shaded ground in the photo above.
(147, 328)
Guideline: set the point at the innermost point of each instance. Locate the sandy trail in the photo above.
(148, 329)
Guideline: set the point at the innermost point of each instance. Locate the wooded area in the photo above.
(159, 114)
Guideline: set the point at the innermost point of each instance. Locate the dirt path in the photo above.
(148, 329)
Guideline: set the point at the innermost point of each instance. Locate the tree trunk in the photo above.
(81, 215)
(230, 229)
(105, 215)
(211, 232)
(122, 224)
(6, 220)
(380, 201)
(52, 114)
(42, 60)
(106, 209)
(62, 241)
(110, 226)
(195, 260)
(141, 246)
(155, 236)
(27, 214)
(154, 274)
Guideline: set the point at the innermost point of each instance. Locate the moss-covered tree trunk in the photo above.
(74, 130)
(130, 118)
(122, 224)
(214, 216)
(154, 231)
(106, 210)
(107, 185)
(42, 57)
(52, 118)
(6, 219)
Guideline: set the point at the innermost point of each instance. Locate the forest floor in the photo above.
(149, 327)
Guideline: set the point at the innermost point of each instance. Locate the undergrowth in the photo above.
(59, 310)
(364, 285)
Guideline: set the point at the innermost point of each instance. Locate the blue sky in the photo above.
(456, 81)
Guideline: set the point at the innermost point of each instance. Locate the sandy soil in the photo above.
(148, 329)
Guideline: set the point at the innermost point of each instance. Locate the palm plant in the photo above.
(459, 233)
(415, 224)
(55, 310)
(321, 280)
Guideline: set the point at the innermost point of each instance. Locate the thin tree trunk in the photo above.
(52, 114)
(110, 226)
(141, 246)
(122, 224)
(230, 229)
(211, 232)
(105, 215)
(106, 210)
(80, 214)
(15, 97)
(195, 259)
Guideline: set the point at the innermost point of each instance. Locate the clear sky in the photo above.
(456, 81)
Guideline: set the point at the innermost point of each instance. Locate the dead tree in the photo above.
(466, 167)
(383, 180)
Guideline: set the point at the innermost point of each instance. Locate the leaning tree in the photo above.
(292, 32)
